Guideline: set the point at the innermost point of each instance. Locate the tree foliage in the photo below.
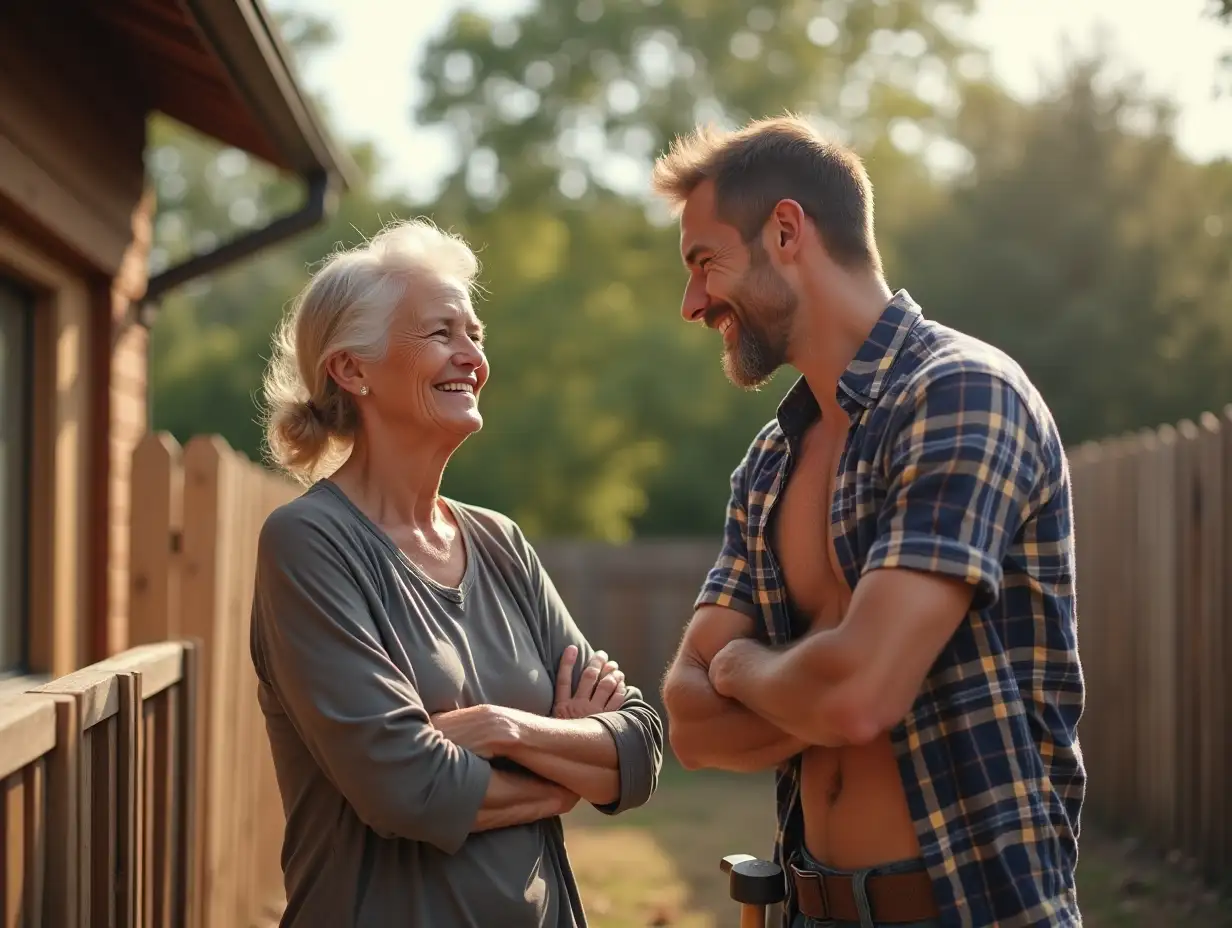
(1070, 232)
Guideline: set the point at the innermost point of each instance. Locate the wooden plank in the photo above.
(27, 732)
(159, 665)
(161, 794)
(87, 830)
(202, 613)
(243, 824)
(1165, 651)
(1144, 494)
(1189, 712)
(187, 907)
(62, 900)
(42, 196)
(1223, 860)
(1124, 681)
(129, 785)
(97, 692)
(157, 519)
(1094, 612)
(100, 863)
(12, 832)
(35, 776)
(1212, 791)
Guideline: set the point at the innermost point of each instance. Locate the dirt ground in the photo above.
(660, 865)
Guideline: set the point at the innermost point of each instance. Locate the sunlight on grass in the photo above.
(659, 865)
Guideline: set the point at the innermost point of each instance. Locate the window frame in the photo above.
(25, 302)
(61, 422)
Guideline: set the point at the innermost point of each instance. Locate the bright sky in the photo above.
(369, 77)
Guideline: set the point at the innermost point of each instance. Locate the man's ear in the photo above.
(346, 370)
(787, 224)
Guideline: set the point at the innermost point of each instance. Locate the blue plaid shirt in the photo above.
(953, 465)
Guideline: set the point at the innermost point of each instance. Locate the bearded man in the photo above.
(890, 622)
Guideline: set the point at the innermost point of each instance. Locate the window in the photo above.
(15, 364)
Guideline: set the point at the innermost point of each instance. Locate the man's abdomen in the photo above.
(855, 809)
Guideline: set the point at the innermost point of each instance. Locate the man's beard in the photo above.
(764, 307)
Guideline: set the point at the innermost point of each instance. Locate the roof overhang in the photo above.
(219, 67)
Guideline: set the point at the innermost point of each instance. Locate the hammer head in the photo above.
(752, 881)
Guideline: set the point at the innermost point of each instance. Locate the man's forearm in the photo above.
(709, 730)
(770, 682)
(516, 799)
(579, 754)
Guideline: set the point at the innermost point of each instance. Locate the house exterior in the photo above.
(78, 81)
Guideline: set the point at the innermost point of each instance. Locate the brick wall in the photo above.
(127, 417)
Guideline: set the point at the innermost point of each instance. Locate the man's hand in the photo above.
(729, 667)
(600, 689)
(486, 730)
(708, 728)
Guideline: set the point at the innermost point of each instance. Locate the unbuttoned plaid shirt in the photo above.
(952, 465)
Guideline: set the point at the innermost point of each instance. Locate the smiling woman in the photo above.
(431, 705)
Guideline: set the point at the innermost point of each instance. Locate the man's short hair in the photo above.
(771, 160)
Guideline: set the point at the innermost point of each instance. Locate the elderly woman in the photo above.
(431, 706)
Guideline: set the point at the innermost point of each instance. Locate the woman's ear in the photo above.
(347, 372)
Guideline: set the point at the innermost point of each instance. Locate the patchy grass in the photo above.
(660, 865)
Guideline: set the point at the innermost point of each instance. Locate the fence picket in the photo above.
(157, 510)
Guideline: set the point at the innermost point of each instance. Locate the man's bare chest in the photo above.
(801, 533)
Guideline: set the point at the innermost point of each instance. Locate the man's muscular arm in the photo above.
(709, 730)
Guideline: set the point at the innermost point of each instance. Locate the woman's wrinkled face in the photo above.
(434, 368)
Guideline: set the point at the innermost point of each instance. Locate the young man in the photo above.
(890, 622)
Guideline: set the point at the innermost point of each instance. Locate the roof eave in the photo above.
(247, 43)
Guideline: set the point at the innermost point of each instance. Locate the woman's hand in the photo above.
(485, 730)
(600, 689)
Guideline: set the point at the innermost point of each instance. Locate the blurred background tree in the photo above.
(1070, 232)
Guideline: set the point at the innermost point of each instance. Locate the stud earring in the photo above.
(363, 391)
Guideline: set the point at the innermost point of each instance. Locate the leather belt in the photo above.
(894, 898)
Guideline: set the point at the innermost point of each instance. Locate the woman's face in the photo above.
(434, 369)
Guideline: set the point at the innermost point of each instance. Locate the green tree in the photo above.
(1086, 245)
(606, 415)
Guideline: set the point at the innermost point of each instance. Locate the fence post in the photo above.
(208, 478)
(156, 520)
(1220, 474)
(1209, 670)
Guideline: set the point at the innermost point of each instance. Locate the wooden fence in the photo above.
(195, 522)
(96, 766)
(632, 600)
(1153, 513)
(140, 791)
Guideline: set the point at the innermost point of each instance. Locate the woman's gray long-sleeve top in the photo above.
(354, 648)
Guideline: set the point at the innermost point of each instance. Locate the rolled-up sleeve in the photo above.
(316, 646)
(635, 727)
(728, 582)
(962, 470)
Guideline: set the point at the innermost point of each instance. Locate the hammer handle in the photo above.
(752, 916)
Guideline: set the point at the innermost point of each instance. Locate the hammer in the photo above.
(755, 884)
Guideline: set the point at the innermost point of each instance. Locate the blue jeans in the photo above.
(805, 862)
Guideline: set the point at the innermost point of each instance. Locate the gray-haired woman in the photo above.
(431, 706)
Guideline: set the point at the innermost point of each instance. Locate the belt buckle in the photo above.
(810, 876)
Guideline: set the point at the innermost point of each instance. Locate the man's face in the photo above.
(735, 289)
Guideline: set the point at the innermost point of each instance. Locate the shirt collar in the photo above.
(863, 381)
